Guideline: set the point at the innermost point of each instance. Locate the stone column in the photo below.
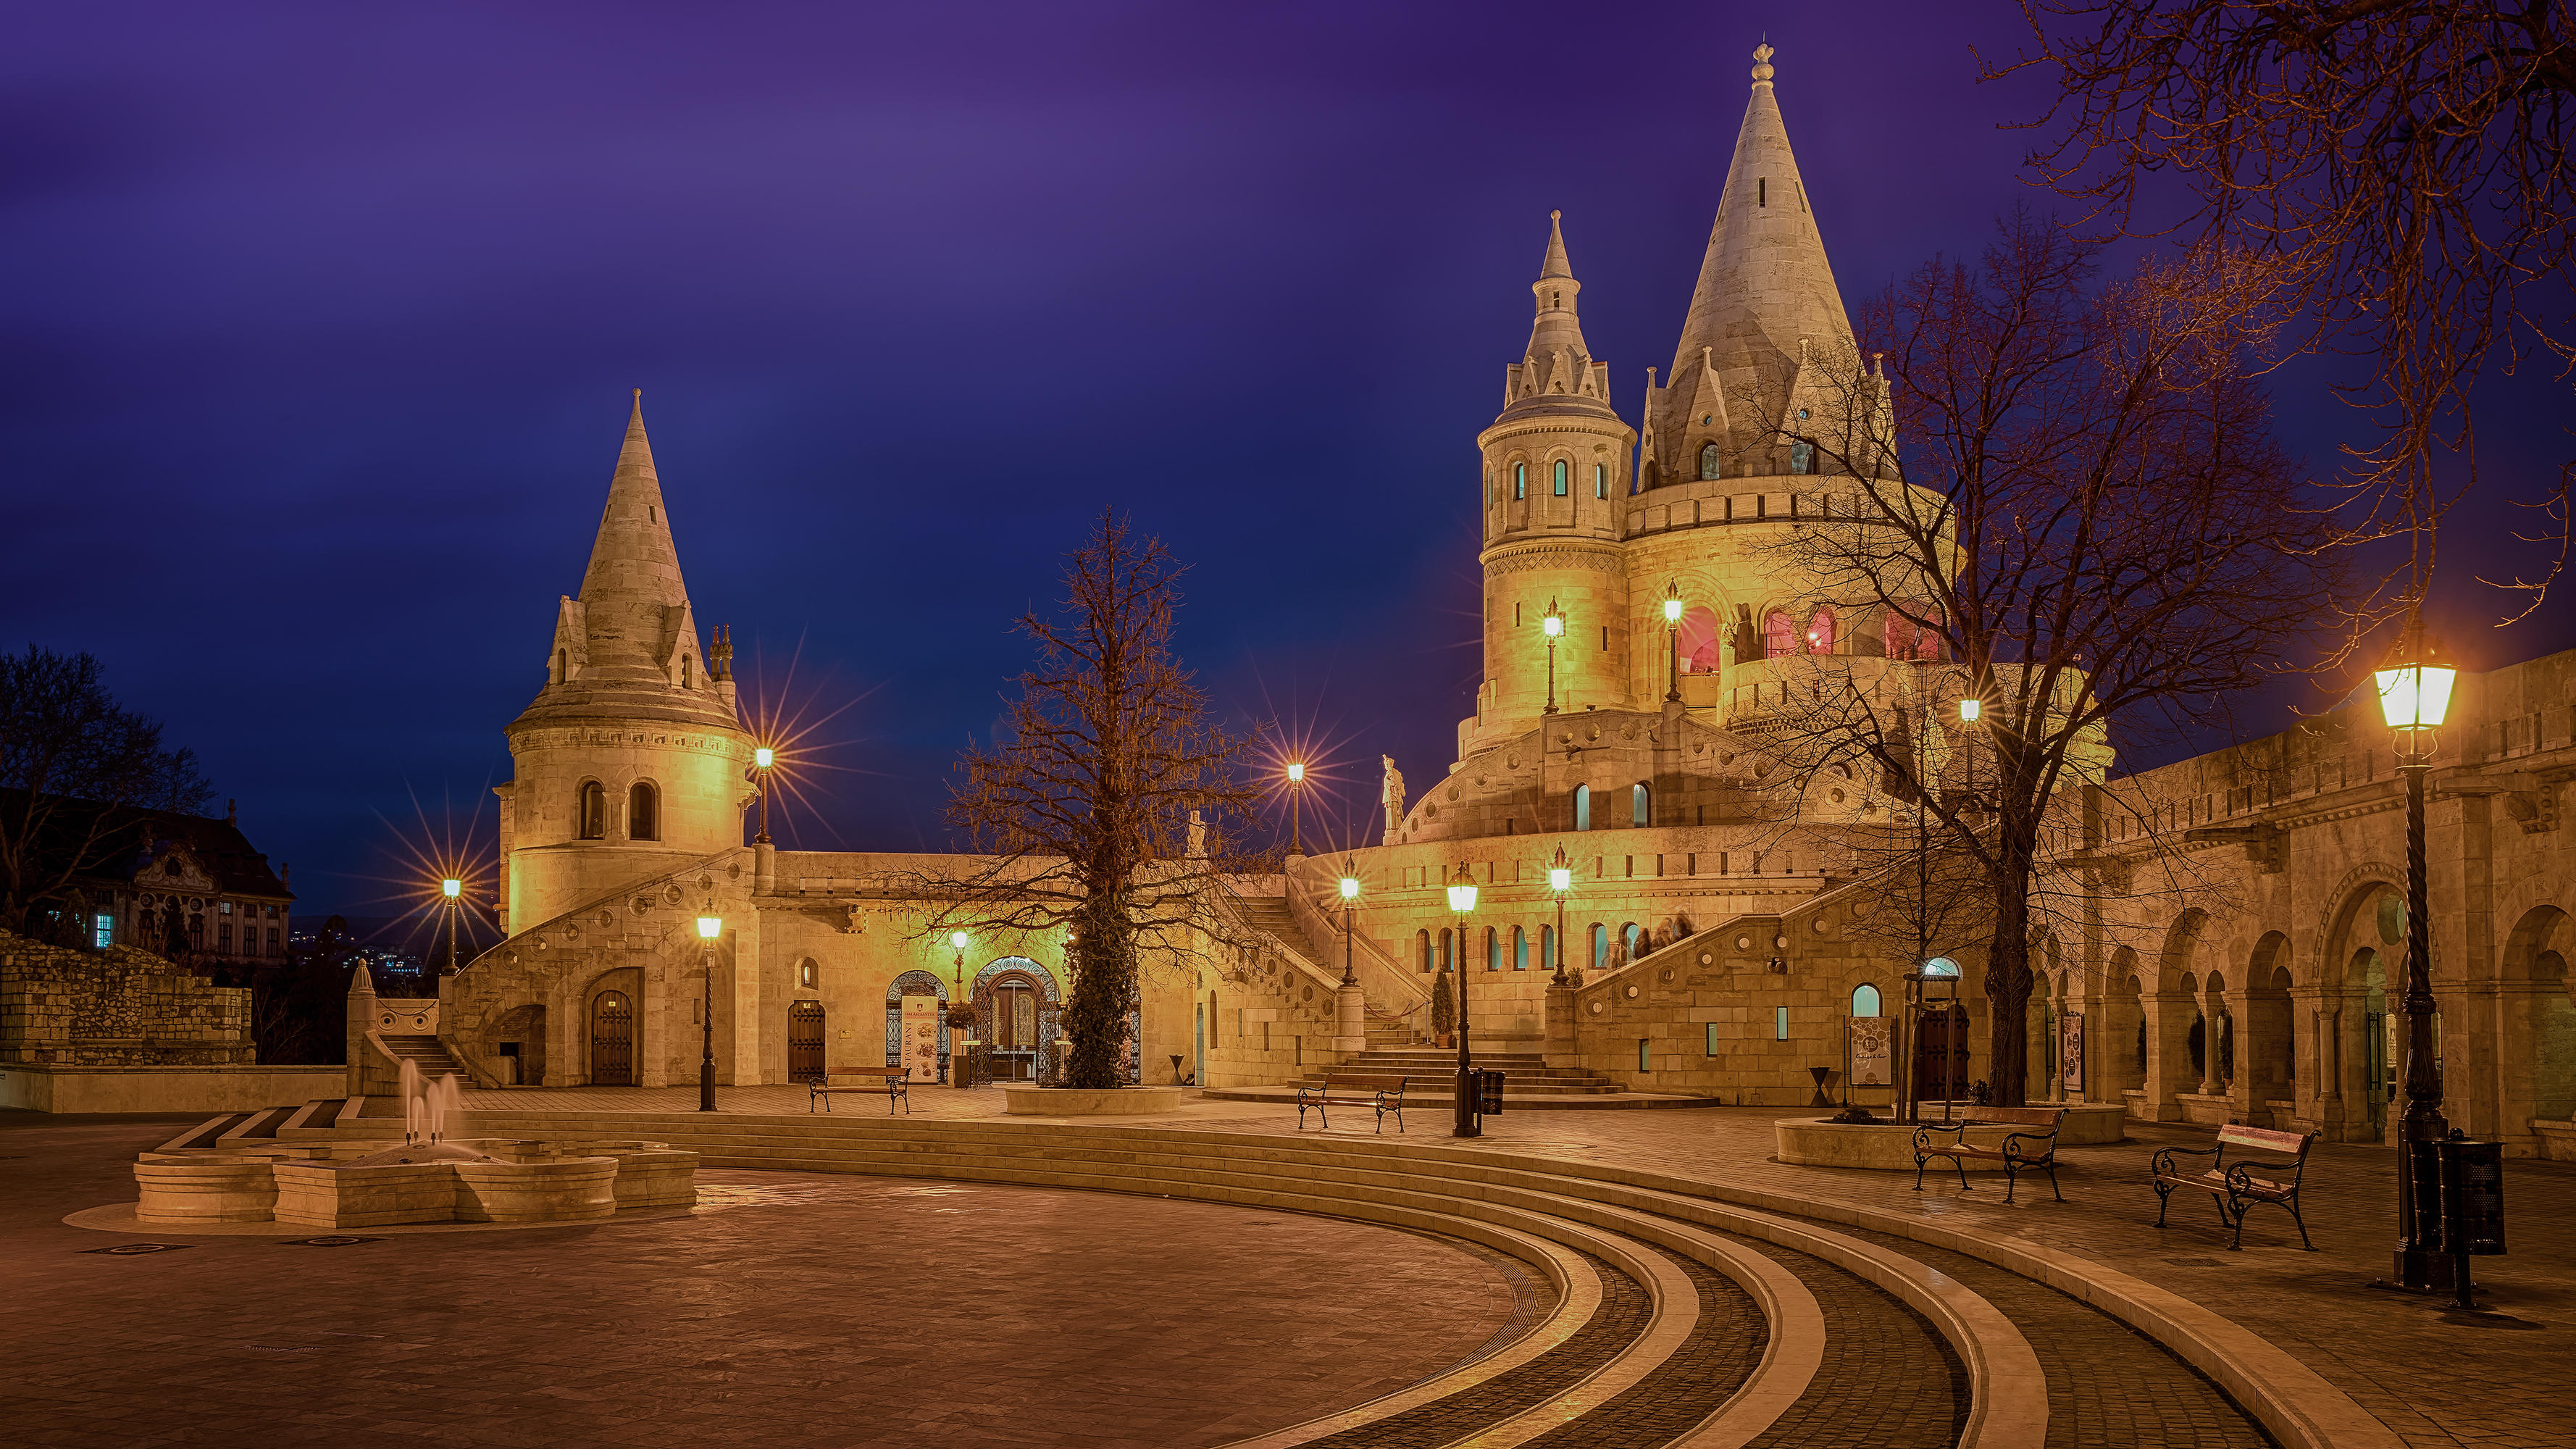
(1350, 1019)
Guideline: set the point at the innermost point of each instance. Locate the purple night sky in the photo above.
(321, 320)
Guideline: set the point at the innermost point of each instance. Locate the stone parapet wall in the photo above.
(115, 1007)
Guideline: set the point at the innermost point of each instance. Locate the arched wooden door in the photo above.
(1941, 1055)
(805, 1042)
(612, 1040)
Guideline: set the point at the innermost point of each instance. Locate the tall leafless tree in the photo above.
(74, 766)
(1105, 804)
(2062, 498)
(2407, 163)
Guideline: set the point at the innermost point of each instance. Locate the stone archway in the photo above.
(2541, 1085)
(517, 1053)
(613, 1031)
(2267, 1065)
(1018, 1007)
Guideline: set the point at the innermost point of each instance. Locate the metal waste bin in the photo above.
(1489, 1093)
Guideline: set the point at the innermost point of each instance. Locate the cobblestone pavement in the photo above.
(1724, 1347)
(1010, 1316)
(2434, 1376)
(1889, 1380)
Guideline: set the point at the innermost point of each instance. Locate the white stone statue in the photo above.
(1391, 795)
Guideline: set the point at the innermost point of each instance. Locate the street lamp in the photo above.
(1296, 795)
(1560, 879)
(1350, 895)
(1971, 707)
(1552, 624)
(761, 759)
(2414, 697)
(960, 1016)
(710, 925)
(1673, 641)
(451, 888)
(1462, 900)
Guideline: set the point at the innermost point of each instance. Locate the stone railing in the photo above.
(1311, 883)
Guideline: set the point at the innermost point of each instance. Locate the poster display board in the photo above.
(2070, 1051)
(921, 1038)
(1873, 1050)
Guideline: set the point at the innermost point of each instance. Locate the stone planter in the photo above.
(570, 1190)
(1813, 1142)
(1089, 1101)
(2207, 1111)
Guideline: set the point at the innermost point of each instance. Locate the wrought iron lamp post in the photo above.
(1350, 896)
(452, 889)
(761, 759)
(959, 1019)
(2414, 697)
(1296, 798)
(710, 925)
(1673, 642)
(1462, 900)
(1560, 879)
(1552, 624)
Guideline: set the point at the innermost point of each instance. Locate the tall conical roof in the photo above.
(633, 581)
(1766, 297)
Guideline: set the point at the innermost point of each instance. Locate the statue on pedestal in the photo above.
(1391, 795)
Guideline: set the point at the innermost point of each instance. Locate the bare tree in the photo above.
(74, 766)
(2084, 524)
(2407, 162)
(1105, 804)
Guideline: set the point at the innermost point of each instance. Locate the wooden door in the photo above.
(1941, 1054)
(805, 1042)
(612, 1040)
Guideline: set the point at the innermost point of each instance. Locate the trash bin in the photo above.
(1489, 1093)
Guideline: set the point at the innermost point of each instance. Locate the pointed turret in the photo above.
(632, 593)
(1765, 306)
(1557, 366)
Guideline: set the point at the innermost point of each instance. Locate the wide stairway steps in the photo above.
(429, 1054)
(1525, 1074)
(1683, 1314)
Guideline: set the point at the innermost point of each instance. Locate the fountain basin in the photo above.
(371, 1185)
(569, 1190)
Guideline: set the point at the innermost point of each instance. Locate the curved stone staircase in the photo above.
(1685, 1313)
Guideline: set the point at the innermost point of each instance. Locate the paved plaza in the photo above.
(974, 1313)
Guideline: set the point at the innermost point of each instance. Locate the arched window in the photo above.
(1779, 635)
(688, 677)
(1560, 477)
(1633, 936)
(1802, 457)
(1696, 641)
(1422, 944)
(1941, 966)
(1864, 1001)
(643, 812)
(1547, 948)
(1446, 961)
(1641, 804)
(1493, 949)
(1906, 639)
(1520, 480)
(1708, 465)
(592, 812)
(1820, 632)
(1600, 946)
(1520, 949)
(1582, 807)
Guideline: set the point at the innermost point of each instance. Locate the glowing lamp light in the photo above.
(1672, 611)
(957, 939)
(709, 927)
(1462, 896)
(451, 887)
(1296, 772)
(1970, 708)
(1553, 624)
(762, 757)
(1560, 879)
(1350, 887)
(2415, 688)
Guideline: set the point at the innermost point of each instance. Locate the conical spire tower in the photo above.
(632, 593)
(1765, 308)
(1557, 367)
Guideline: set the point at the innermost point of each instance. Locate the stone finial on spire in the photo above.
(1762, 61)
(1555, 264)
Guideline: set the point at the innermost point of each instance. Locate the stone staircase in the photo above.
(429, 1054)
(1273, 914)
(1525, 1074)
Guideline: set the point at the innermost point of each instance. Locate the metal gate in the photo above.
(612, 1040)
(805, 1042)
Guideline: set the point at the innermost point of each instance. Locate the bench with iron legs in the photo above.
(2240, 1186)
(2030, 1142)
(1340, 1089)
(892, 1083)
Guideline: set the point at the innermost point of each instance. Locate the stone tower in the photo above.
(1555, 480)
(631, 759)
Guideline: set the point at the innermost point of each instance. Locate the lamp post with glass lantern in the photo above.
(1296, 796)
(710, 925)
(1462, 900)
(1350, 896)
(2414, 697)
(761, 759)
(451, 889)
(1972, 708)
(959, 1017)
(1560, 879)
(1552, 624)
(1673, 642)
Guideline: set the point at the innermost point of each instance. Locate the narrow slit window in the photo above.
(1520, 480)
(1779, 1023)
(1762, 191)
(1560, 477)
(1600, 480)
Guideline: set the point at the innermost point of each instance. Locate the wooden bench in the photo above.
(2032, 1142)
(892, 1083)
(2237, 1187)
(1343, 1089)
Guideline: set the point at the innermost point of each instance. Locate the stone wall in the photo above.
(116, 1007)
